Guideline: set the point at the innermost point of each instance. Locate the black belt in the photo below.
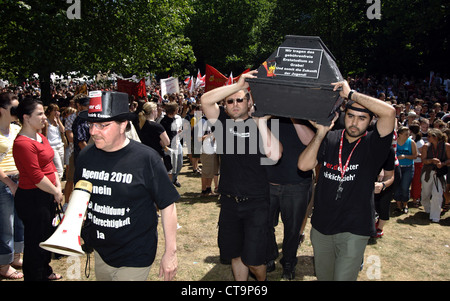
(237, 198)
(14, 177)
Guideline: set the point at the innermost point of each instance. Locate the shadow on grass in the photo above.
(222, 272)
(194, 198)
(422, 218)
(190, 174)
(419, 218)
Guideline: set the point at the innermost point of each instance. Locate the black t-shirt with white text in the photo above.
(354, 211)
(128, 184)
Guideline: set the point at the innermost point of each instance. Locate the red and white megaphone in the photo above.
(66, 240)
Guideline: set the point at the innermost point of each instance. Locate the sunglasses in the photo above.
(231, 100)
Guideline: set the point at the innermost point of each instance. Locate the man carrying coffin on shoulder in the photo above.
(350, 159)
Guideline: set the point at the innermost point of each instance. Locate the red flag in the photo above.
(214, 78)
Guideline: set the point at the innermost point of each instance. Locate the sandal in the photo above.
(13, 275)
(445, 209)
(54, 276)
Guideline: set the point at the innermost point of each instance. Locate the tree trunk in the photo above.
(44, 79)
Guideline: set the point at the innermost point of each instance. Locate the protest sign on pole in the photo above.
(169, 85)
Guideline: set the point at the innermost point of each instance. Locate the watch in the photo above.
(349, 97)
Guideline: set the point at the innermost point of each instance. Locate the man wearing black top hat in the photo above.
(350, 158)
(129, 181)
(244, 187)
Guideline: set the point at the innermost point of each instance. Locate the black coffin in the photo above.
(295, 81)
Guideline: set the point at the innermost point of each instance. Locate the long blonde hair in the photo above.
(147, 110)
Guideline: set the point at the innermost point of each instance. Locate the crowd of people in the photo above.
(42, 144)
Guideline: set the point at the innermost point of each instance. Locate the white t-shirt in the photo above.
(419, 144)
(54, 136)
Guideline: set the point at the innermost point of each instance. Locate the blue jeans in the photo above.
(402, 191)
(11, 227)
(292, 202)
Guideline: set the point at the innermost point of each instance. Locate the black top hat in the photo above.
(107, 106)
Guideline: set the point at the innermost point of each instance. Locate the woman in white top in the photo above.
(54, 131)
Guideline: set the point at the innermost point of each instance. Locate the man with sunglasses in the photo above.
(129, 182)
(350, 160)
(244, 144)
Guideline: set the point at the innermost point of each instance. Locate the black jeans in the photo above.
(36, 209)
(292, 201)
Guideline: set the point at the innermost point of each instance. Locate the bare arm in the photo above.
(435, 161)
(46, 185)
(384, 111)
(308, 158)
(8, 182)
(211, 98)
(59, 123)
(82, 144)
(447, 152)
(388, 179)
(272, 146)
(164, 139)
(69, 135)
(169, 260)
(304, 133)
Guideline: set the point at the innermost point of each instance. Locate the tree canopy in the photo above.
(411, 37)
(178, 37)
(122, 36)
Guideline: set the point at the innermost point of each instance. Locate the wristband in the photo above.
(349, 97)
(384, 186)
